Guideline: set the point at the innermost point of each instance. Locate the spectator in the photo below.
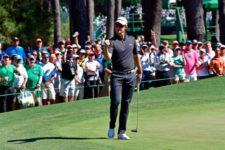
(168, 50)
(20, 80)
(145, 63)
(80, 80)
(37, 56)
(162, 63)
(92, 69)
(2, 53)
(39, 48)
(82, 60)
(217, 64)
(209, 52)
(182, 46)
(222, 51)
(6, 81)
(35, 75)
(202, 69)
(87, 49)
(69, 71)
(75, 48)
(61, 46)
(191, 62)
(99, 57)
(175, 44)
(107, 65)
(152, 56)
(49, 74)
(178, 66)
(16, 49)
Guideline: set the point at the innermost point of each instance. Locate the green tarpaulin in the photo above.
(211, 4)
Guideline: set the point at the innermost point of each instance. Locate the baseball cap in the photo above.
(82, 51)
(177, 49)
(5, 55)
(195, 42)
(152, 47)
(74, 46)
(31, 57)
(61, 42)
(181, 43)
(188, 42)
(16, 39)
(199, 43)
(38, 40)
(161, 46)
(175, 42)
(17, 57)
(149, 43)
(91, 53)
(68, 42)
(121, 20)
(222, 46)
(144, 46)
(87, 47)
(57, 52)
(88, 43)
(202, 50)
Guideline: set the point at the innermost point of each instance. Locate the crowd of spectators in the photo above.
(70, 72)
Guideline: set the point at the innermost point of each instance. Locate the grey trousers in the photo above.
(122, 88)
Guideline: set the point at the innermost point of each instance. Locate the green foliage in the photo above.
(99, 7)
(130, 2)
(26, 19)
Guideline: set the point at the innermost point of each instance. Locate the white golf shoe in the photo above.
(123, 136)
(111, 133)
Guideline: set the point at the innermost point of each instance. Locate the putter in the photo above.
(136, 130)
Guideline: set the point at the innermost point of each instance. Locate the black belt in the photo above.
(123, 72)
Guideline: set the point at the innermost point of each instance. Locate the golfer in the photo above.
(121, 49)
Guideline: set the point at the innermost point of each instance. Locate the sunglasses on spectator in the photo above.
(119, 25)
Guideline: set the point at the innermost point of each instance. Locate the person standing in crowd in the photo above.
(92, 69)
(6, 84)
(39, 47)
(191, 62)
(144, 57)
(167, 48)
(202, 69)
(16, 49)
(80, 80)
(37, 57)
(209, 52)
(75, 48)
(61, 46)
(20, 80)
(175, 44)
(163, 63)
(35, 75)
(49, 74)
(99, 57)
(69, 71)
(2, 53)
(82, 59)
(217, 64)
(107, 65)
(178, 66)
(121, 49)
(182, 46)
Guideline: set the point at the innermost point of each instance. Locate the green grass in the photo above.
(187, 116)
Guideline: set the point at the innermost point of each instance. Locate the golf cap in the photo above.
(16, 39)
(188, 42)
(200, 43)
(177, 49)
(152, 47)
(88, 43)
(194, 42)
(87, 47)
(31, 57)
(82, 51)
(218, 44)
(74, 46)
(5, 55)
(57, 52)
(182, 44)
(17, 57)
(121, 20)
(91, 53)
(149, 43)
(202, 50)
(144, 46)
(161, 46)
(38, 40)
(175, 43)
(68, 42)
(61, 42)
(222, 46)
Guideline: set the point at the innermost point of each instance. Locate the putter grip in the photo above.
(138, 87)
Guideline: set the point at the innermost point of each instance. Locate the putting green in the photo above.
(187, 116)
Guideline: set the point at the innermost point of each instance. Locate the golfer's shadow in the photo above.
(29, 140)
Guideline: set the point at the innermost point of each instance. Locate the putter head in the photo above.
(134, 130)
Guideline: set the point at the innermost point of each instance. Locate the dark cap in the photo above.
(149, 43)
(16, 39)
(5, 55)
(61, 42)
(177, 49)
(161, 47)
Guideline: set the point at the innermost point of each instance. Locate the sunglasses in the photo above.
(119, 25)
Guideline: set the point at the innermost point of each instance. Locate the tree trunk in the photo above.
(78, 20)
(152, 19)
(118, 5)
(90, 11)
(195, 20)
(215, 21)
(57, 21)
(110, 18)
(222, 20)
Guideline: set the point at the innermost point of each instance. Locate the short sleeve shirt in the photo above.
(34, 74)
(122, 51)
(18, 51)
(191, 59)
(7, 72)
(69, 70)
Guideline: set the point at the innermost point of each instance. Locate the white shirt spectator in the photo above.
(19, 79)
(161, 58)
(145, 62)
(92, 66)
(203, 64)
(49, 70)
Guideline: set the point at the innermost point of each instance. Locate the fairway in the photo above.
(188, 116)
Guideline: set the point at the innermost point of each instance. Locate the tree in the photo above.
(195, 20)
(57, 20)
(152, 18)
(78, 20)
(90, 11)
(118, 5)
(222, 20)
(110, 18)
